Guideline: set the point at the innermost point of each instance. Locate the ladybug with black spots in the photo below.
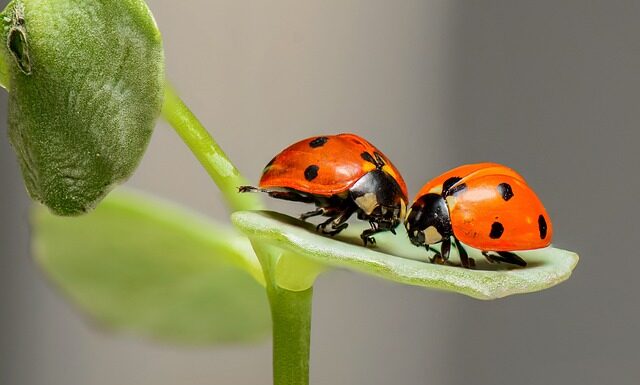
(342, 175)
(487, 206)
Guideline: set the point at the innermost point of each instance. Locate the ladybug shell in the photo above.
(435, 185)
(493, 208)
(325, 165)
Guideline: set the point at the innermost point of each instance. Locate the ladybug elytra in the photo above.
(487, 206)
(342, 175)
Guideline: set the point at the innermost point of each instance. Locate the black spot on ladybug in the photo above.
(496, 230)
(318, 142)
(366, 156)
(311, 172)
(542, 226)
(505, 190)
(446, 186)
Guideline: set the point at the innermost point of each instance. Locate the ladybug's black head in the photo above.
(428, 221)
(379, 198)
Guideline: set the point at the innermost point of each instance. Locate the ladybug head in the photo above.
(379, 198)
(428, 221)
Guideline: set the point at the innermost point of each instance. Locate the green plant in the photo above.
(86, 85)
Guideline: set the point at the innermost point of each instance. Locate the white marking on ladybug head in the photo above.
(403, 209)
(451, 202)
(435, 190)
(407, 223)
(368, 202)
(431, 235)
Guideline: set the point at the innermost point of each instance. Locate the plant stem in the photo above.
(291, 316)
(290, 310)
(208, 153)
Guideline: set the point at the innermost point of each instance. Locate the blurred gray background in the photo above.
(551, 88)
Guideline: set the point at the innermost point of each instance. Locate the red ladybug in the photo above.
(486, 206)
(342, 175)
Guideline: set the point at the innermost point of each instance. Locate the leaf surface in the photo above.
(396, 259)
(138, 265)
(85, 81)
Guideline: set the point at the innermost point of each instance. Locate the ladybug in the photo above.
(342, 175)
(487, 206)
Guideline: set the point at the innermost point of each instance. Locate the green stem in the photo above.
(291, 316)
(208, 153)
(290, 310)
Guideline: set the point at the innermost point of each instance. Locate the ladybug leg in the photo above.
(338, 222)
(367, 238)
(462, 253)
(504, 256)
(437, 258)
(321, 227)
(376, 227)
(429, 248)
(445, 249)
(489, 257)
(442, 256)
(244, 189)
(512, 258)
(286, 194)
(337, 228)
(314, 213)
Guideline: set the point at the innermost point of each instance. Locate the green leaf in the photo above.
(396, 259)
(85, 80)
(138, 265)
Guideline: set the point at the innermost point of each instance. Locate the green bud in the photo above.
(85, 81)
